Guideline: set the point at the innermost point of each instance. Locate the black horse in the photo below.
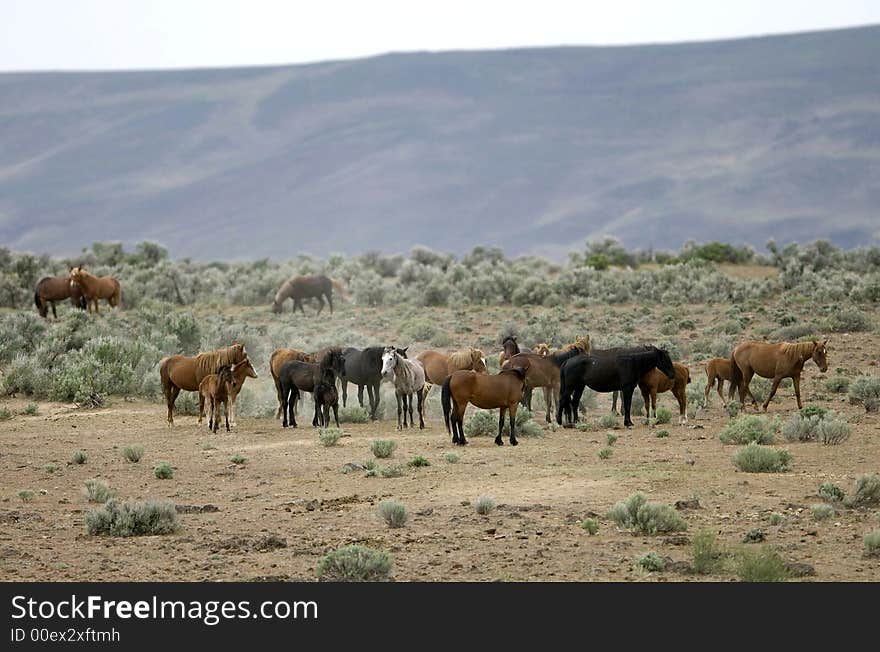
(607, 371)
(296, 376)
(364, 369)
(326, 398)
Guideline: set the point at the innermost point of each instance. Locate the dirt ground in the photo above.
(274, 516)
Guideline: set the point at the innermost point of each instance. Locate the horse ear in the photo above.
(403, 350)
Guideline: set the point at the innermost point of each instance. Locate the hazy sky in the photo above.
(114, 34)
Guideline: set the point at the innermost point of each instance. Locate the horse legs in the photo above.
(744, 389)
(796, 380)
(201, 407)
(548, 401)
(512, 411)
(681, 395)
(614, 402)
(458, 423)
(646, 398)
(776, 381)
(412, 424)
(654, 401)
(498, 439)
(170, 397)
(230, 406)
(320, 304)
(226, 413)
(397, 396)
(54, 314)
(710, 382)
(330, 301)
(280, 398)
(627, 397)
(576, 403)
(374, 399)
(421, 399)
(335, 407)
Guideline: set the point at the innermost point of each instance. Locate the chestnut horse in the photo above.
(656, 382)
(503, 390)
(277, 360)
(719, 369)
(216, 389)
(776, 361)
(57, 288)
(180, 372)
(439, 366)
(543, 371)
(306, 287)
(94, 288)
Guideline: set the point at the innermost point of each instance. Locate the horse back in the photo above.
(53, 288)
(181, 371)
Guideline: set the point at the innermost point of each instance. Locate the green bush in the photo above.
(383, 448)
(353, 414)
(776, 518)
(31, 409)
(822, 511)
(5, 415)
(163, 471)
(865, 390)
(419, 460)
(761, 459)
(872, 543)
(133, 453)
(329, 436)
(747, 429)
(79, 457)
(812, 410)
(452, 458)
(760, 565)
(610, 438)
(484, 505)
(638, 515)
(238, 458)
(831, 492)
(132, 518)
(590, 525)
(355, 563)
(608, 421)
(98, 491)
(605, 453)
(26, 495)
(664, 415)
(394, 471)
(833, 430)
(849, 320)
(50, 468)
(652, 562)
(661, 434)
(837, 384)
(705, 552)
(393, 513)
(485, 423)
(867, 491)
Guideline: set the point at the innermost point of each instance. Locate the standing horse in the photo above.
(615, 369)
(296, 377)
(95, 288)
(542, 371)
(503, 390)
(408, 377)
(216, 389)
(719, 369)
(57, 288)
(242, 371)
(580, 345)
(656, 382)
(277, 360)
(438, 366)
(306, 287)
(326, 398)
(364, 369)
(776, 361)
(180, 372)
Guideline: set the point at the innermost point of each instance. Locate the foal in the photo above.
(719, 369)
(216, 389)
(326, 397)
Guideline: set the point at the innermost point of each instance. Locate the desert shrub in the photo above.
(776, 518)
(732, 408)
(651, 562)
(848, 320)
(31, 409)
(872, 543)
(831, 492)
(238, 458)
(485, 423)
(747, 429)
(132, 518)
(370, 465)
(484, 505)
(26, 495)
(638, 515)
(353, 414)
(26, 375)
(821, 511)
(163, 471)
(760, 565)
(5, 415)
(50, 468)
(705, 552)
(419, 460)
(610, 438)
(661, 434)
(867, 491)
(605, 453)
(355, 563)
(133, 453)
(837, 384)
(833, 430)
(393, 513)
(98, 491)
(590, 525)
(452, 458)
(329, 436)
(79, 457)
(761, 459)
(608, 421)
(664, 415)
(813, 410)
(383, 448)
(418, 329)
(801, 428)
(864, 390)
(394, 471)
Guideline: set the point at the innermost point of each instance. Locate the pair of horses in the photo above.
(216, 390)
(82, 288)
(296, 376)
(315, 286)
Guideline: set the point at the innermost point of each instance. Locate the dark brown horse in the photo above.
(57, 288)
(307, 287)
(277, 360)
(95, 287)
(656, 382)
(503, 390)
(543, 371)
(719, 369)
(776, 361)
(296, 377)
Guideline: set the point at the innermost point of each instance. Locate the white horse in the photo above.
(408, 377)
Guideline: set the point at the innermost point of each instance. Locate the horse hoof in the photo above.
(514, 442)
(499, 442)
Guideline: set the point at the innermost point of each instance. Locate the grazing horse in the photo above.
(656, 382)
(438, 366)
(57, 288)
(180, 372)
(542, 371)
(296, 376)
(607, 371)
(364, 369)
(306, 287)
(719, 369)
(326, 397)
(776, 361)
(503, 390)
(408, 377)
(277, 360)
(95, 287)
(216, 390)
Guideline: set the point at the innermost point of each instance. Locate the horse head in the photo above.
(226, 374)
(249, 370)
(389, 361)
(664, 363)
(276, 307)
(478, 361)
(542, 349)
(820, 355)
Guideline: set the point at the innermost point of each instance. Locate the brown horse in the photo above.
(306, 287)
(543, 371)
(277, 360)
(656, 382)
(509, 348)
(439, 366)
(216, 389)
(776, 361)
(242, 371)
(542, 349)
(180, 372)
(719, 369)
(503, 390)
(94, 288)
(57, 288)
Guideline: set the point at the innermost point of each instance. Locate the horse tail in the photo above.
(736, 375)
(446, 401)
(165, 377)
(37, 301)
(337, 285)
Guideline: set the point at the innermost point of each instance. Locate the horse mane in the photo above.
(462, 359)
(210, 361)
(284, 291)
(797, 351)
(519, 371)
(559, 357)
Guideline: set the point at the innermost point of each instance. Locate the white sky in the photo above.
(124, 34)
